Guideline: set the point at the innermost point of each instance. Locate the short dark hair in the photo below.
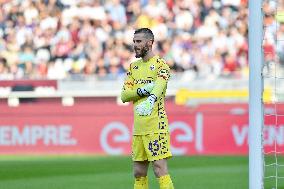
(147, 32)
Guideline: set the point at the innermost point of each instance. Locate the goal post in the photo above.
(255, 95)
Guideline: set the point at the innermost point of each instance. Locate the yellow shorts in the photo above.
(151, 147)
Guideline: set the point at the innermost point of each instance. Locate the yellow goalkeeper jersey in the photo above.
(140, 73)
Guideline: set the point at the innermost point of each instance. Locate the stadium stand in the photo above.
(59, 39)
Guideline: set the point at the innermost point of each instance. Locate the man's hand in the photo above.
(146, 107)
(146, 89)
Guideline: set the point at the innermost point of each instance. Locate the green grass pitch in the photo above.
(77, 172)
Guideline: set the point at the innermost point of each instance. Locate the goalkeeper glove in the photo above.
(146, 107)
(145, 90)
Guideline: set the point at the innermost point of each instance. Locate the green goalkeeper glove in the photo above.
(146, 107)
(146, 89)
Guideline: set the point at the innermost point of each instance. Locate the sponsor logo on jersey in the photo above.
(143, 81)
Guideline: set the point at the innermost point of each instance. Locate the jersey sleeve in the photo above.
(162, 79)
(129, 91)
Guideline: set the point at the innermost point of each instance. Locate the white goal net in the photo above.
(273, 78)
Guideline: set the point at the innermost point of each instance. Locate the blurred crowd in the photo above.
(57, 39)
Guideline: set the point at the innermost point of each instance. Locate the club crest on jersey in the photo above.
(152, 67)
(135, 68)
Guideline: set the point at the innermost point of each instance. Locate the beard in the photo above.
(143, 52)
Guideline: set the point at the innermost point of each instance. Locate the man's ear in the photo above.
(150, 42)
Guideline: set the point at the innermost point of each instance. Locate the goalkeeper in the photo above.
(145, 86)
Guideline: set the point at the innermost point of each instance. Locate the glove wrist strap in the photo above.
(152, 98)
(139, 92)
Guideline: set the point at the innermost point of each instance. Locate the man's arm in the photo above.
(162, 80)
(145, 108)
(129, 92)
